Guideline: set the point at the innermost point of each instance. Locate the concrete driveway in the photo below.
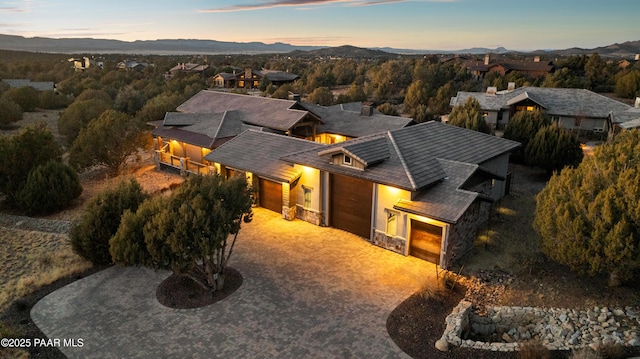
(308, 292)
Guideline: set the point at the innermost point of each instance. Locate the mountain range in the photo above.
(213, 47)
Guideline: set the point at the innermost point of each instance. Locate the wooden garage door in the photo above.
(350, 204)
(270, 195)
(426, 241)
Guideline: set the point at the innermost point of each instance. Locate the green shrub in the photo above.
(9, 112)
(26, 97)
(49, 187)
(90, 237)
(51, 101)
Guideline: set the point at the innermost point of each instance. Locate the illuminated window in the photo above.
(307, 196)
(392, 222)
(346, 160)
(485, 114)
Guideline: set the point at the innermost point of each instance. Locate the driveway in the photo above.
(308, 292)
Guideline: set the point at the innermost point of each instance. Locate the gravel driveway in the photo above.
(308, 292)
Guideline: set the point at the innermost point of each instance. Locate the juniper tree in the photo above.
(553, 148)
(469, 116)
(522, 127)
(589, 218)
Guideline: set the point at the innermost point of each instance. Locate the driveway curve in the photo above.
(308, 292)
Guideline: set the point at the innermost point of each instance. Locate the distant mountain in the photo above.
(213, 47)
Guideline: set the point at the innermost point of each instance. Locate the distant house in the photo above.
(132, 65)
(81, 64)
(187, 68)
(535, 68)
(250, 78)
(420, 190)
(38, 85)
(575, 109)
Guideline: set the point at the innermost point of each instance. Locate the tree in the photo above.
(588, 217)
(628, 84)
(469, 115)
(387, 109)
(48, 188)
(101, 219)
(553, 148)
(522, 127)
(107, 141)
(33, 146)
(9, 111)
(321, 96)
(78, 115)
(26, 97)
(192, 232)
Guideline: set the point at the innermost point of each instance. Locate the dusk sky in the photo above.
(417, 24)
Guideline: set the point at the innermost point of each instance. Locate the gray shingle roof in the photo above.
(38, 85)
(444, 201)
(260, 152)
(200, 129)
(260, 111)
(557, 101)
(414, 153)
(345, 120)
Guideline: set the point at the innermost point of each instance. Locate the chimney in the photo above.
(486, 59)
(536, 59)
(492, 90)
(366, 109)
(637, 105)
(511, 86)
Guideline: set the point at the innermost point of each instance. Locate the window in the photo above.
(346, 160)
(307, 196)
(392, 222)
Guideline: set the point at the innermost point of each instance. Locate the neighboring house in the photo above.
(535, 68)
(421, 190)
(187, 68)
(132, 65)
(249, 78)
(624, 120)
(81, 64)
(38, 85)
(573, 109)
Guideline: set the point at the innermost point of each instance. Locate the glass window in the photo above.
(307, 196)
(347, 160)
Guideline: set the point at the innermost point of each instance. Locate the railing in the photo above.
(184, 164)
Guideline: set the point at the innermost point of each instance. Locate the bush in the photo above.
(90, 237)
(78, 115)
(9, 112)
(534, 349)
(26, 97)
(49, 187)
(52, 101)
(611, 351)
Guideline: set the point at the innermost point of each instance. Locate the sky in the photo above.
(401, 24)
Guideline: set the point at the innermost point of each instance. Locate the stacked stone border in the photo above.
(556, 328)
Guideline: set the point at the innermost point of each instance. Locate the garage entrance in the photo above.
(426, 241)
(350, 204)
(270, 195)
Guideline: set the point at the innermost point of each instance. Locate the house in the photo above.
(535, 68)
(38, 85)
(624, 120)
(187, 68)
(132, 65)
(250, 78)
(574, 109)
(421, 190)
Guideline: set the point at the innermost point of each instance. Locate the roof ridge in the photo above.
(402, 161)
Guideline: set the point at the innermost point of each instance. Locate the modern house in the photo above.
(421, 190)
(132, 65)
(535, 68)
(249, 78)
(574, 109)
(187, 68)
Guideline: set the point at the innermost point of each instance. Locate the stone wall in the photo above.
(395, 244)
(558, 329)
(462, 235)
(308, 215)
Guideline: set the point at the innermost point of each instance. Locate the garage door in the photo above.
(426, 241)
(350, 204)
(270, 195)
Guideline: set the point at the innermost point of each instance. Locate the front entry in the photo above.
(426, 241)
(350, 204)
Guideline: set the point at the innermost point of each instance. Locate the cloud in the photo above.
(12, 9)
(288, 3)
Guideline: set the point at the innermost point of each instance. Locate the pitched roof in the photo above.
(557, 101)
(277, 76)
(413, 154)
(260, 152)
(38, 85)
(445, 201)
(260, 111)
(200, 129)
(346, 120)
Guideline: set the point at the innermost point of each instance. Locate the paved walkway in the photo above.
(308, 292)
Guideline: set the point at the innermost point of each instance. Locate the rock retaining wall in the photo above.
(558, 329)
